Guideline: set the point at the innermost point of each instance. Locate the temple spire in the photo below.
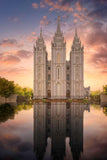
(58, 27)
(75, 31)
(41, 32)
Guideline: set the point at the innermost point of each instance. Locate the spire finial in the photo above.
(58, 27)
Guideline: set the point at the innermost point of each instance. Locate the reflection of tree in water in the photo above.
(105, 110)
(8, 111)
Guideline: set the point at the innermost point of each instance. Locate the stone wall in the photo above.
(11, 99)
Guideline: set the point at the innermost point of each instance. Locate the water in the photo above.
(56, 131)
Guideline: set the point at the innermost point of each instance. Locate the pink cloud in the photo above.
(57, 5)
(44, 21)
(79, 6)
(14, 57)
(9, 59)
(10, 43)
(31, 38)
(60, 7)
(35, 5)
(42, 5)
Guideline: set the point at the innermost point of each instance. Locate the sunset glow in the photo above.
(20, 27)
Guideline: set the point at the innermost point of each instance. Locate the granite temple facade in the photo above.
(59, 78)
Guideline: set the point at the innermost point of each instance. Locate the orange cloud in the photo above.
(31, 38)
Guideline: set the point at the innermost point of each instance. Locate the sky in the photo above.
(20, 22)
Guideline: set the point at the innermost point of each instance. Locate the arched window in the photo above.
(58, 72)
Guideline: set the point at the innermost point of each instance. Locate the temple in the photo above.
(59, 78)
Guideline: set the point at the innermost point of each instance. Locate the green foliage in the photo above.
(105, 89)
(6, 87)
(95, 93)
(69, 100)
(26, 92)
(85, 100)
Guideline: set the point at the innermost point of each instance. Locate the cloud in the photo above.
(9, 59)
(98, 36)
(57, 5)
(99, 59)
(33, 33)
(24, 54)
(31, 38)
(42, 5)
(98, 10)
(14, 57)
(79, 6)
(15, 19)
(10, 43)
(45, 21)
(82, 17)
(35, 5)
(9, 140)
(60, 7)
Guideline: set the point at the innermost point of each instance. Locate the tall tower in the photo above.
(58, 65)
(40, 60)
(77, 68)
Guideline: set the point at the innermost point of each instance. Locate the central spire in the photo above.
(58, 26)
(41, 32)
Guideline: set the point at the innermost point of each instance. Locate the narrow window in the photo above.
(49, 68)
(68, 77)
(58, 73)
(49, 77)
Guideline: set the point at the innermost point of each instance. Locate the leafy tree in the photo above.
(105, 89)
(6, 87)
(95, 93)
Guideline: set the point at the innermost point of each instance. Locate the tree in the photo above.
(105, 89)
(6, 87)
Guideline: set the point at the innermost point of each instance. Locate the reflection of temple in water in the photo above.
(57, 121)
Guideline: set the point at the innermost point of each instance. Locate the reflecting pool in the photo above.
(53, 131)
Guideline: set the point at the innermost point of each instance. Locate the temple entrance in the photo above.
(49, 93)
